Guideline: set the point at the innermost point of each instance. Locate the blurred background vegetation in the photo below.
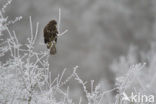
(99, 32)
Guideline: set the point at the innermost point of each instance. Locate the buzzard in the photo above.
(50, 36)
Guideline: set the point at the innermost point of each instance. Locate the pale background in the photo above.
(99, 31)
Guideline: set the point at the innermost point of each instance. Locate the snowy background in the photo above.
(104, 38)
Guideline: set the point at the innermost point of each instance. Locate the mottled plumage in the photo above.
(50, 36)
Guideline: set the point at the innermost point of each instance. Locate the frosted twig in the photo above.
(31, 28)
(16, 44)
(6, 5)
(61, 34)
(80, 100)
(53, 81)
(37, 25)
(10, 48)
(92, 85)
(59, 24)
(61, 76)
(80, 81)
(59, 20)
(14, 21)
(108, 91)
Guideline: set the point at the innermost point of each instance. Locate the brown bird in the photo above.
(50, 36)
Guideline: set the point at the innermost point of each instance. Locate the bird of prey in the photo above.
(50, 36)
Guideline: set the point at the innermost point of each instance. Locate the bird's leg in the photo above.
(49, 45)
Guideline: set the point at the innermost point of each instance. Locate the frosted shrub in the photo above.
(25, 76)
(134, 78)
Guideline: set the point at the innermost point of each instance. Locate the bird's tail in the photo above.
(53, 49)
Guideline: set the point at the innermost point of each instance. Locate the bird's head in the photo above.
(53, 22)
